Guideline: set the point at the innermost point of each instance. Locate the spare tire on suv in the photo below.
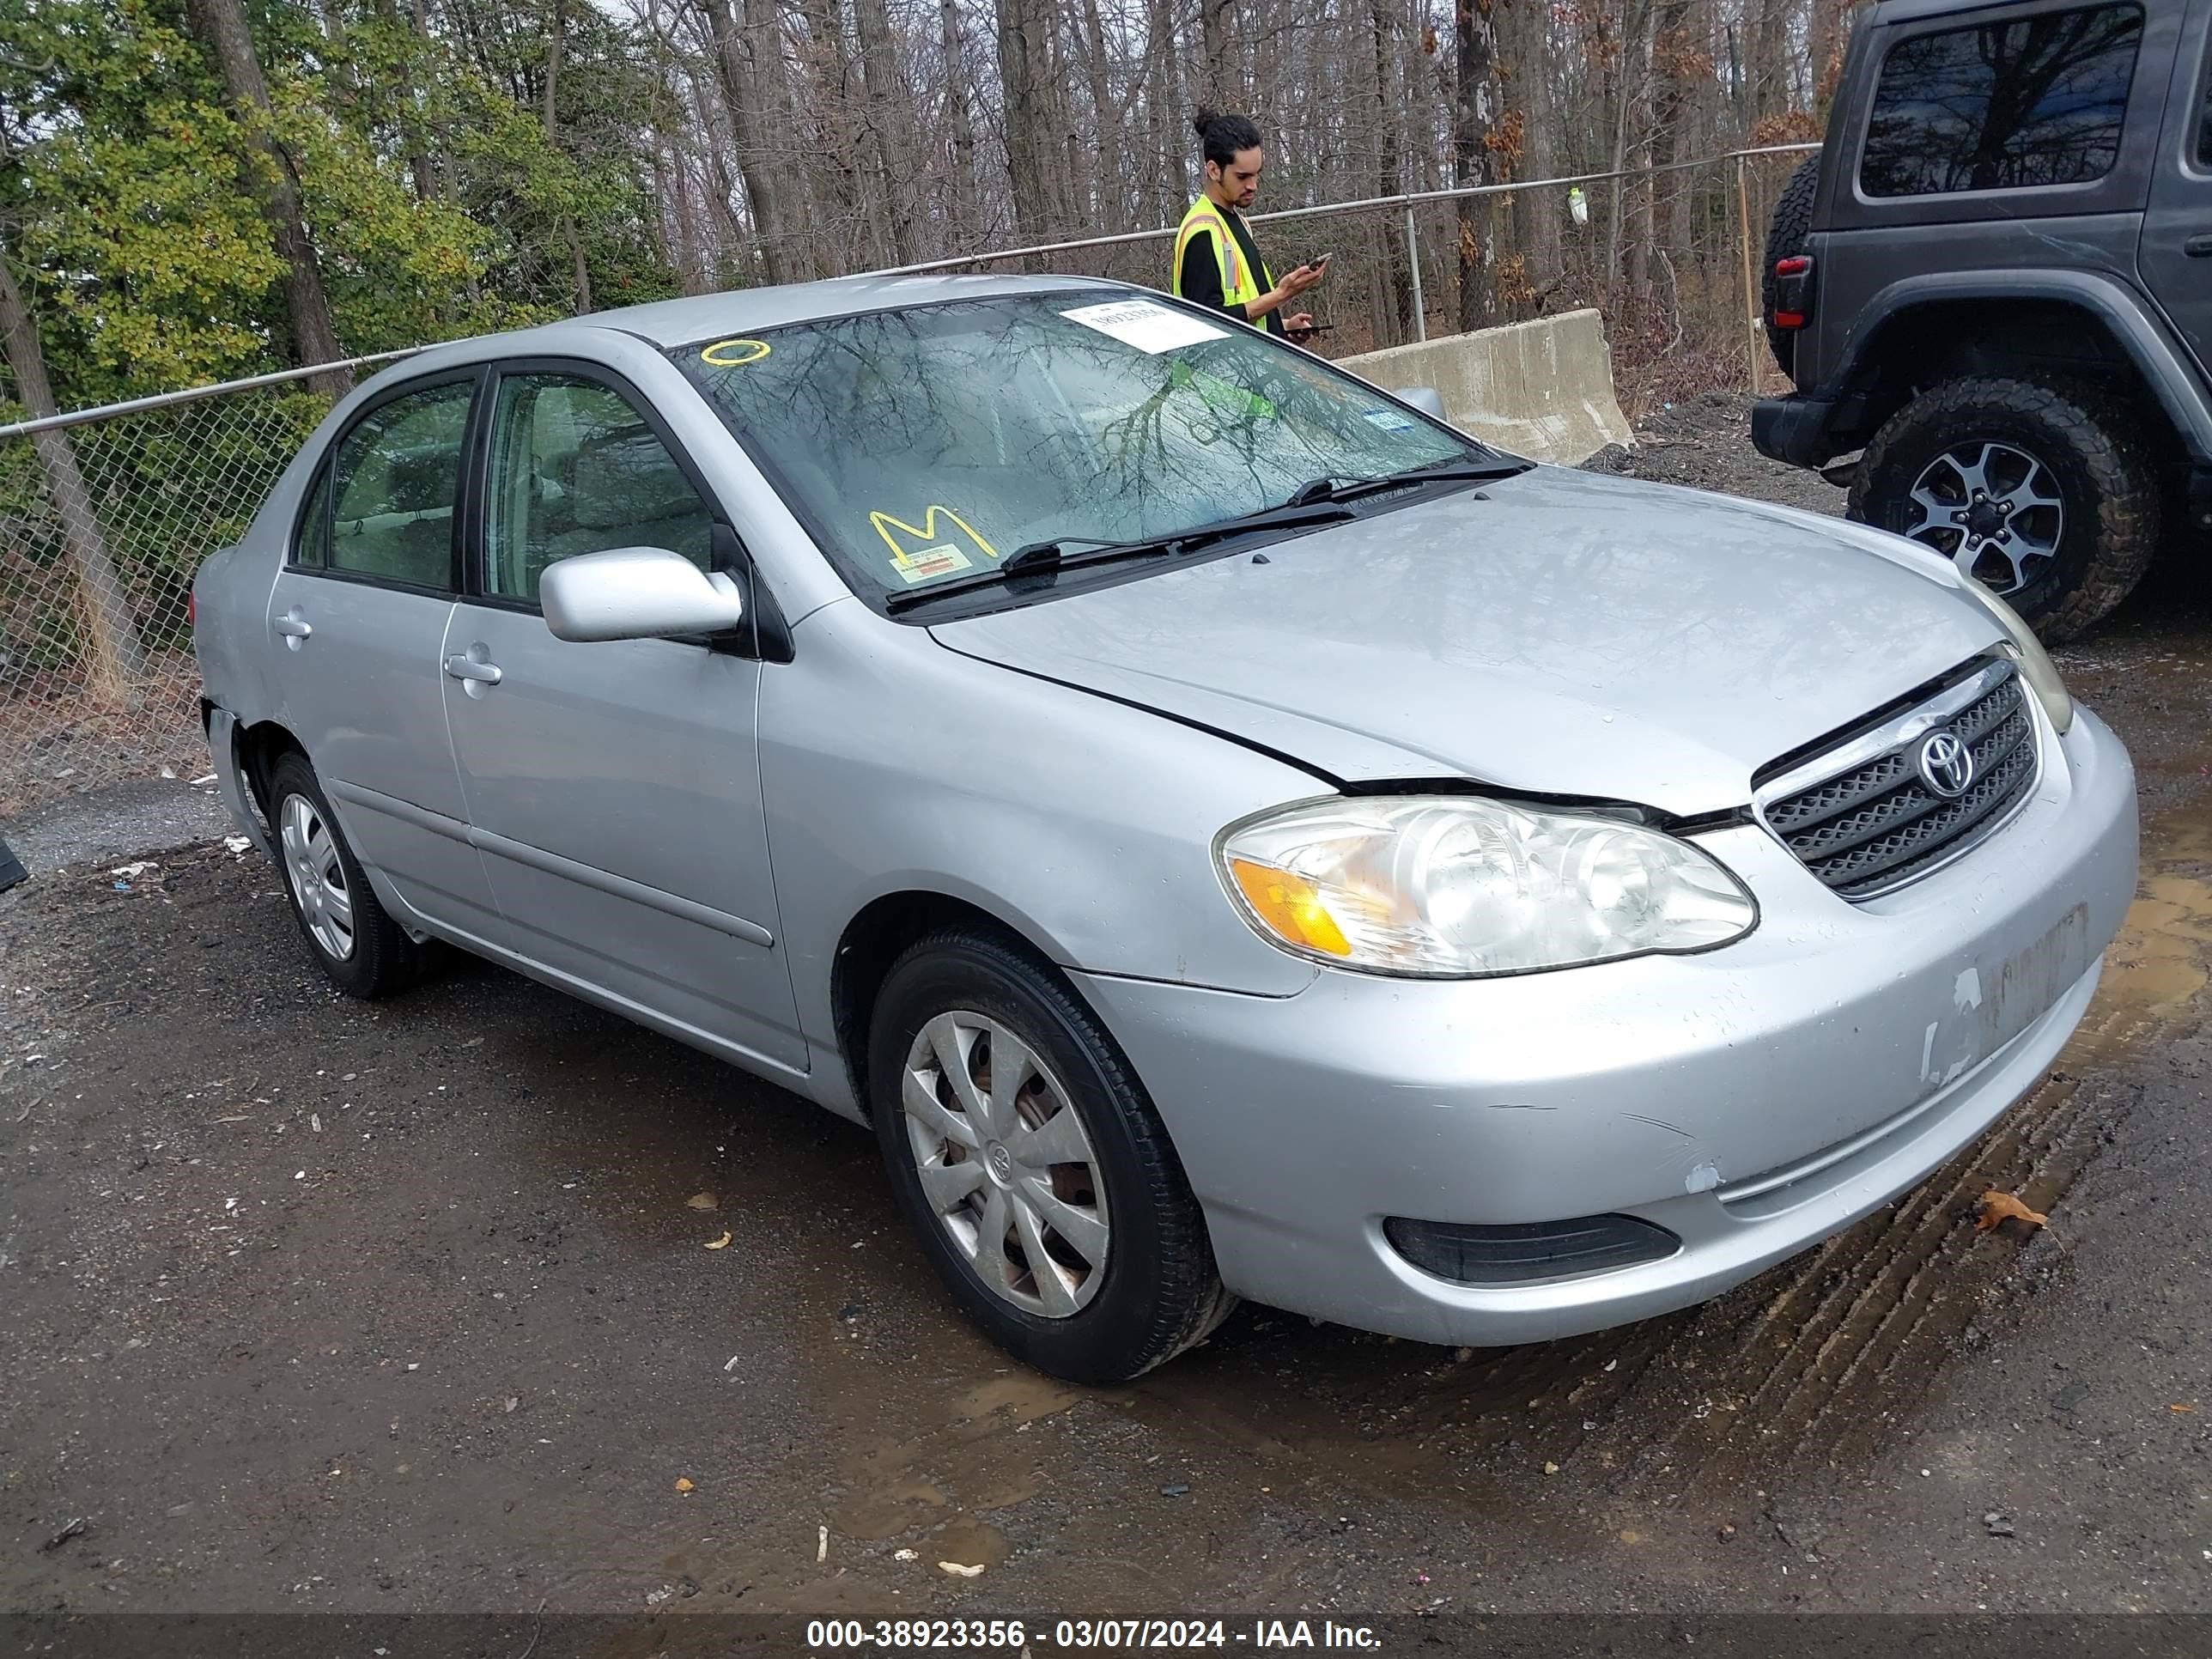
(1786, 236)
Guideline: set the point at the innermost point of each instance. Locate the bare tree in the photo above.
(115, 660)
(220, 26)
(1476, 105)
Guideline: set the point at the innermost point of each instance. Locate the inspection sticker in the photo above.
(924, 562)
(1152, 329)
(1389, 419)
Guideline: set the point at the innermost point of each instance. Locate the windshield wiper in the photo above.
(1349, 489)
(1040, 562)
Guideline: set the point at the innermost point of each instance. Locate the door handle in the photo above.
(292, 628)
(2199, 246)
(468, 668)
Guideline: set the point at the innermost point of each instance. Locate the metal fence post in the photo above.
(1413, 259)
(1750, 288)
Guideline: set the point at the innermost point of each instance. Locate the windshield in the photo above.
(925, 444)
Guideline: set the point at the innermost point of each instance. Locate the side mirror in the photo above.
(635, 593)
(1427, 398)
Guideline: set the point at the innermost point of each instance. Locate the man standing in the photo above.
(1216, 263)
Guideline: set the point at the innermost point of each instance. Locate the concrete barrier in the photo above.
(1542, 389)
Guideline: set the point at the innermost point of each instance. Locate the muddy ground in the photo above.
(309, 1305)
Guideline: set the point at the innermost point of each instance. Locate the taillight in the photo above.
(1793, 284)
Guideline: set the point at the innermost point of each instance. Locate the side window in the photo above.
(395, 475)
(311, 545)
(2003, 106)
(2205, 120)
(576, 470)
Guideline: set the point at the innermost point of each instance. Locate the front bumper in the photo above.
(1752, 1101)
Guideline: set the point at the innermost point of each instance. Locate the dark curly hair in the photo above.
(1224, 135)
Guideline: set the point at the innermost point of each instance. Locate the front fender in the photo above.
(2150, 346)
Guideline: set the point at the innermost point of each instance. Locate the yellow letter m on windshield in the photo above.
(927, 533)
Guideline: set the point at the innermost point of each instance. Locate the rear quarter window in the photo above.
(2005, 106)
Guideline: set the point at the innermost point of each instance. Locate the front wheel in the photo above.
(2045, 494)
(1027, 1157)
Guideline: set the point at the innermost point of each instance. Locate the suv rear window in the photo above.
(2007, 106)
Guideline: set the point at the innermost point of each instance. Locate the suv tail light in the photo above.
(1793, 291)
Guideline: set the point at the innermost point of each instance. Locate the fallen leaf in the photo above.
(958, 1570)
(822, 1545)
(1550, 1469)
(721, 1243)
(2189, 1406)
(683, 1483)
(700, 1201)
(1996, 1208)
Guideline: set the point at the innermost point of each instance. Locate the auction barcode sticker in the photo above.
(1152, 329)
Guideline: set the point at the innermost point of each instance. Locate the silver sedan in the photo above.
(1229, 833)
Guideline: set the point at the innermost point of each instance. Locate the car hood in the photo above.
(1568, 635)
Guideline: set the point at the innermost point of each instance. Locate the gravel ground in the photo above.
(314, 1306)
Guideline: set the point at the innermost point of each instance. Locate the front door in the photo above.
(614, 788)
(357, 621)
(2175, 254)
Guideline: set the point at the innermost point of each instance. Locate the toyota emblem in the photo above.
(1947, 764)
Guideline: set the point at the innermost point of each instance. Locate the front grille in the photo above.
(1875, 824)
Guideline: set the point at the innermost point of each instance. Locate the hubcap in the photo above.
(318, 879)
(1005, 1165)
(1992, 509)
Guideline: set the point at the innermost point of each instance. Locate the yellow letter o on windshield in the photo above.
(735, 354)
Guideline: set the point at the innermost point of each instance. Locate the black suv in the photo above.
(1995, 280)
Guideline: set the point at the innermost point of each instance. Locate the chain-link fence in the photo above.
(105, 516)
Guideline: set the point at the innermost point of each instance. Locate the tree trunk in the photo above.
(958, 84)
(879, 74)
(1475, 107)
(1108, 154)
(736, 62)
(1217, 28)
(1021, 58)
(1170, 134)
(221, 28)
(114, 661)
(581, 289)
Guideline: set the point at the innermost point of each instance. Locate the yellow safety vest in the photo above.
(1240, 284)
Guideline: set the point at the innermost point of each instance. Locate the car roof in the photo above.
(665, 323)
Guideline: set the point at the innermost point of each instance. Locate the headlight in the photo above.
(2024, 648)
(1448, 887)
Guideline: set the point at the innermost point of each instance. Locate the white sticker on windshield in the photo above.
(1152, 329)
(1389, 419)
(924, 562)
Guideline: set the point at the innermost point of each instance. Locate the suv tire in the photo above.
(363, 952)
(1072, 1163)
(1787, 233)
(2025, 441)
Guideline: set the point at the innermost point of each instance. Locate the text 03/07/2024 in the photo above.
(1085, 1634)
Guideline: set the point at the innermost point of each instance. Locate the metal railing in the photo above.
(1405, 202)
(105, 514)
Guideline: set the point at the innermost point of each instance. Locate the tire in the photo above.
(2090, 447)
(1156, 1292)
(1787, 233)
(377, 958)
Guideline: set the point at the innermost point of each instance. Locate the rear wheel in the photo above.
(1028, 1160)
(2046, 495)
(361, 949)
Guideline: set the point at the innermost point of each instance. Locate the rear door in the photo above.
(2175, 254)
(357, 624)
(614, 788)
